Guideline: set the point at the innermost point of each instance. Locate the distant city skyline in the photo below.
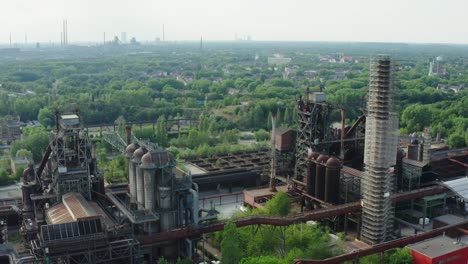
(415, 21)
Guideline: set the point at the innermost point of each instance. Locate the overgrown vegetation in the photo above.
(273, 244)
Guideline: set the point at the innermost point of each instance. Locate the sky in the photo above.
(409, 21)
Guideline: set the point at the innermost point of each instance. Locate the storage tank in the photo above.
(149, 180)
(311, 170)
(165, 204)
(139, 177)
(320, 177)
(332, 180)
(131, 171)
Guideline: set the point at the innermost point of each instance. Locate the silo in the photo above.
(320, 177)
(131, 171)
(165, 204)
(139, 177)
(149, 180)
(311, 170)
(332, 180)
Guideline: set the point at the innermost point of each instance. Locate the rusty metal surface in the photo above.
(280, 221)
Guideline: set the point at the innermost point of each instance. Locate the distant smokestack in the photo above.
(104, 38)
(163, 33)
(10, 39)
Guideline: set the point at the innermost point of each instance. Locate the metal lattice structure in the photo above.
(70, 158)
(312, 131)
(380, 152)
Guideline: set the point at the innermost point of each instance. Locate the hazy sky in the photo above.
(441, 21)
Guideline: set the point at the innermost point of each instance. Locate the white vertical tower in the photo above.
(380, 152)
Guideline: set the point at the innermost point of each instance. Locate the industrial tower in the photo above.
(380, 152)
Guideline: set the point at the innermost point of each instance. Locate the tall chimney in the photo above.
(380, 152)
(128, 134)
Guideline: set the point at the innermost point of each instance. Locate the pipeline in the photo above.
(192, 231)
(44, 160)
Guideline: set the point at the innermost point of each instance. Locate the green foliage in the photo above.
(279, 204)
(230, 245)
(457, 140)
(399, 256)
(261, 260)
(24, 153)
(115, 170)
(261, 135)
(162, 260)
(35, 140)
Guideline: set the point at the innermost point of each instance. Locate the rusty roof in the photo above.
(75, 207)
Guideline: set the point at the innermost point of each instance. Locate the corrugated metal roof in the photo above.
(459, 187)
(73, 207)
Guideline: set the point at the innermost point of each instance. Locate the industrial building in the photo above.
(361, 178)
(70, 217)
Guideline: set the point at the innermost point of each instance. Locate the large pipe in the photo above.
(140, 184)
(195, 206)
(131, 171)
(44, 160)
(273, 154)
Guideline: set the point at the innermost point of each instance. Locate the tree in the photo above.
(456, 140)
(279, 204)
(161, 133)
(230, 248)
(399, 256)
(46, 117)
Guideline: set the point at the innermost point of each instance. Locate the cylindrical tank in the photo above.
(320, 177)
(131, 171)
(149, 178)
(140, 183)
(311, 171)
(332, 180)
(165, 203)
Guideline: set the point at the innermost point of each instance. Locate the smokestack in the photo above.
(104, 38)
(380, 152)
(128, 134)
(163, 33)
(273, 154)
(10, 39)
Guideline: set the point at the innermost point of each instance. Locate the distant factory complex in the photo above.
(364, 179)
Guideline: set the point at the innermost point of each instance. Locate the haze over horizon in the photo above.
(415, 21)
